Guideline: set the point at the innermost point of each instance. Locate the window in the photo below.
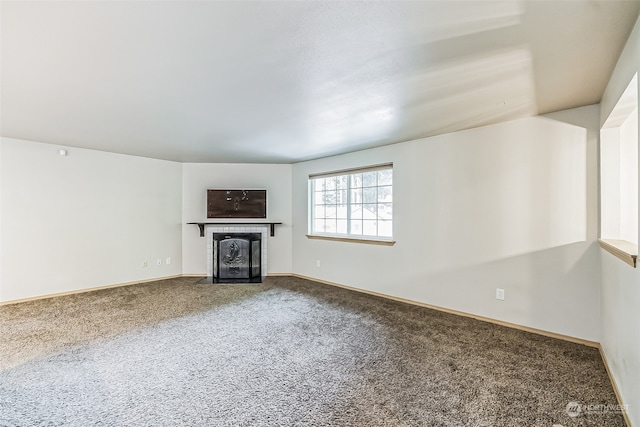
(619, 177)
(355, 203)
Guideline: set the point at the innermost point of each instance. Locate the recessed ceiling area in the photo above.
(282, 82)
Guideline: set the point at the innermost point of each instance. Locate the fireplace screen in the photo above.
(236, 257)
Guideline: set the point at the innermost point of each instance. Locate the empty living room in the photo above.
(319, 213)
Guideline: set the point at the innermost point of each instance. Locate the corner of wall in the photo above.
(1, 192)
(619, 291)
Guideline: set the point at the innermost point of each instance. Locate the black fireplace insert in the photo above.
(237, 257)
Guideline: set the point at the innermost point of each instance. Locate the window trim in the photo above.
(349, 171)
(626, 251)
(370, 240)
(611, 240)
(355, 238)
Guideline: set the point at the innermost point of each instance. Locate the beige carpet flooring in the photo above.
(284, 352)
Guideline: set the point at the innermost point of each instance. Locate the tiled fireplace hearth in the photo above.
(210, 230)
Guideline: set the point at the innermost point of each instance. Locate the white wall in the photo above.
(620, 301)
(198, 177)
(85, 220)
(1, 244)
(508, 206)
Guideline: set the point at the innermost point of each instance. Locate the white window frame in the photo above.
(619, 177)
(354, 199)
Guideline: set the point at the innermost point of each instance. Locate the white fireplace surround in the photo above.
(210, 229)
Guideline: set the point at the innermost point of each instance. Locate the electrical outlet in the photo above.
(317, 263)
(159, 261)
(500, 294)
(145, 264)
(168, 261)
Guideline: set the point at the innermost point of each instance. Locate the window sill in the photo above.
(626, 251)
(368, 241)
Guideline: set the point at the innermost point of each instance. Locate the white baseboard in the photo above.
(460, 313)
(83, 290)
(616, 390)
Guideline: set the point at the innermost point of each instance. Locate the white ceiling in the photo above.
(280, 82)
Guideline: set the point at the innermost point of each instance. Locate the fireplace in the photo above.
(237, 257)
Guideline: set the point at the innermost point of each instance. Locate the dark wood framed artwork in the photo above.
(236, 203)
